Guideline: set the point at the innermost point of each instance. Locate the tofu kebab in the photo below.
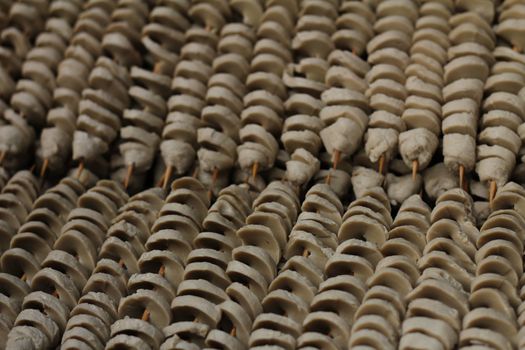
(346, 109)
(504, 107)
(189, 86)
(387, 93)
(218, 136)
(263, 113)
(32, 95)
(424, 84)
(143, 123)
(72, 78)
(470, 59)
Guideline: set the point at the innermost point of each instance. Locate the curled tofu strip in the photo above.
(424, 84)
(191, 78)
(65, 264)
(263, 105)
(346, 108)
(347, 264)
(388, 83)
(492, 319)
(219, 134)
(98, 124)
(445, 257)
(140, 138)
(465, 76)
(23, 22)
(294, 289)
(201, 297)
(305, 79)
(229, 271)
(94, 319)
(71, 85)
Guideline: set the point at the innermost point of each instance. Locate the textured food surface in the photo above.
(262, 174)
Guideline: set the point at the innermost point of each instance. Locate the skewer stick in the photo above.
(128, 175)
(146, 313)
(255, 168)
(24, 277)
(415, 168)
(167, 176)
(44, 168)
(195, 173)
(233, 332)
(328, 178)
(381, 164)
(492, 192)
(336, 158)
(462, 184)
(305, 252)
(80, 169)
(33, 167)
(55, 294)
(2, 156)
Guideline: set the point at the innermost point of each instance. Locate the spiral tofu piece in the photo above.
(345, 112)
(263, 113)
(377, 321)
(387, 92)
(33, 95)
(56, 288)
(305, 80)
(470, 59)
(17, 199)
(140, 135)
(99, 121)
(71, 85)
(219, 135)
(498, 141)
(96, 311)
(179, 145)
(439, 302)
(424, 84)
(223, 315)
(25, 20)
(495, 305)
(312, 241)
(202, 311)
(148, 293)
(363, 230)
(144, 309)
(41, 224)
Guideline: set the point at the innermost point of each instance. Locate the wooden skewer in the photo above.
(381, 164)
(146, 313)
(233, 332)
(415, 168)
(492, 192)
(167, 176)
(33, 167)
(336, 158)
(195, 173)
(255, 168)
(462, 184)
(24, 277)
(55, 294)
(128, 175)
(44, 168)
(2, 156)
(328, 178)
(80, 169)
(305, 252)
